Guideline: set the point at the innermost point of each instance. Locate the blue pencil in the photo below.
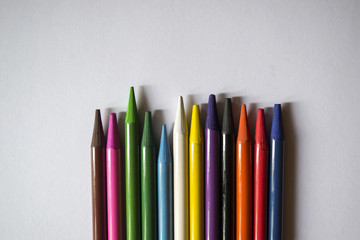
(276, 176)
(165, 189)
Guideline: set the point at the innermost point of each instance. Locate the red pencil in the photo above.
(260, 178)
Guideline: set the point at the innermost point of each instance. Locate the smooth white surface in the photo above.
(59, 60)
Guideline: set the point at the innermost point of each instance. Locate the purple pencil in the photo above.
(212, 172)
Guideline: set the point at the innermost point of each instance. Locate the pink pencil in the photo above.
(114, 182)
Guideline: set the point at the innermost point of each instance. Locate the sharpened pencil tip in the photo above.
(180, 125)
(228, 120)
(260, 130)
(164, 149)
(113, 138)
(131, 113)
(277, 132)
(244, 131)
(195, 127)
(148, 139)
(212, 121)
(98, 137)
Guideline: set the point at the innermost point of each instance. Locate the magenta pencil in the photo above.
(114, 181)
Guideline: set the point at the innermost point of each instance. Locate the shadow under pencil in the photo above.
(290, 181)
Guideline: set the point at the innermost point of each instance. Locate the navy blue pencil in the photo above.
(276, 177)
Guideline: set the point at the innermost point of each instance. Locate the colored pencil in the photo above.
(212, 172)
(243, 180)
(132, 170)
(276, 178)
(148, 181)
(228, 173)
(114, 181)
(98, 176)
(196, 177)
(181, 194)
(165, 189)
(261, 151)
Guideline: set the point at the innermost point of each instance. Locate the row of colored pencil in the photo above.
(210, 188)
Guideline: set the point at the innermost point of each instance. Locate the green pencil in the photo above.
(132, 170)
(148, 181)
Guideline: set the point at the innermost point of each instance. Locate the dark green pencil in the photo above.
(148, 181)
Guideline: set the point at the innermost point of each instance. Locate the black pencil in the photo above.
(228, 203)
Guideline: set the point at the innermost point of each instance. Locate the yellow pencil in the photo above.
(196, 177)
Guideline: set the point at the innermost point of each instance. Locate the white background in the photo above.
(59, 60)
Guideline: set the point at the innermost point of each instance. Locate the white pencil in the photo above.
(181, 174)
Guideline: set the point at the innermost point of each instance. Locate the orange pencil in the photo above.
(243, 180)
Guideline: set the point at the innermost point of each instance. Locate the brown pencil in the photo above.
(98, 177)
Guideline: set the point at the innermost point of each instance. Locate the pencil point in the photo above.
(98, 138)
(131, 114)
(228, 120)
(212, 121)
(164, 149)
(148, 132)
(195, 127)
(277, 132)
(113, 139)
(260, 130)
(180, 125)
(244, 131)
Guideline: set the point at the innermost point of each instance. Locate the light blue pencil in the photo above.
(165, 189)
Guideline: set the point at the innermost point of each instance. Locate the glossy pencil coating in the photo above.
(114, 181)
(276, 176)
(212, 172)
(196, 177)
(261, 151)
(148, 181)
(228, 180)
(181, 173)
(98, 177)
(165, 189)
(132, 170)
(243, 180)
